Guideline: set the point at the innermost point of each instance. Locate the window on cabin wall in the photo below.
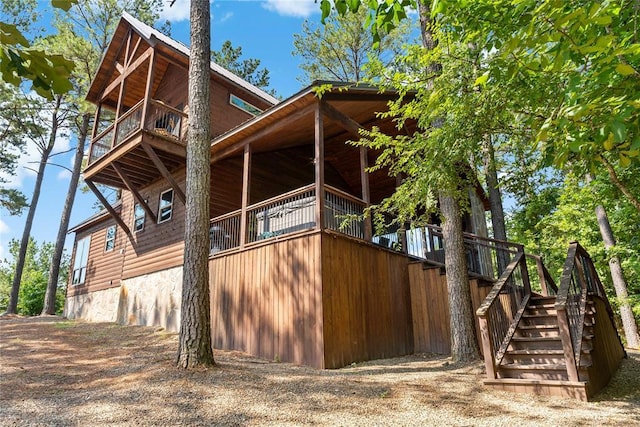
(165, 208)
(244, 105)
(139, 216)
(110, 239)
(80, 260)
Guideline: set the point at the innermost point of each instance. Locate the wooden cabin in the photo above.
(296, 274)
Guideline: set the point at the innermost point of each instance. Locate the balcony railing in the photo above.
(160, 119)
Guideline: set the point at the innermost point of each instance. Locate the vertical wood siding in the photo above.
(366, 302)
(267, 301)
(430, 308)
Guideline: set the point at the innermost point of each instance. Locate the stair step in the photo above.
(535, 343)
(535, 367)
(573, 389)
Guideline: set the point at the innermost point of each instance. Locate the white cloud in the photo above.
(4, 228)
(295, 8)
(176, 13)
(226, 17)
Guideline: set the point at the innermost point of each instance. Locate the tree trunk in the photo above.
(463, 338)
(619, 283)
(464, 346)
(194, 346)
(49, 306)
(12, 307)
(495, 201)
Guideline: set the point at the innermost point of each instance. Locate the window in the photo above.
(244, 105)
(80, 260)
(110, 239)
(138, 217)
(166, 206)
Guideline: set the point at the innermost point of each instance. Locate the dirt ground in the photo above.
(58, 372)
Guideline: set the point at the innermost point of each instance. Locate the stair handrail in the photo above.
(498, 319)
(594, 284)
(570, 307)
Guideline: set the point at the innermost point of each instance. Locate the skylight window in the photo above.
(244, 105)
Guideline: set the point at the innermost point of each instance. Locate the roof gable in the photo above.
(152, 37)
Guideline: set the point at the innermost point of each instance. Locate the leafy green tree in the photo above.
(20, 60)
(34, 278)
(340, 49)
(249, 69)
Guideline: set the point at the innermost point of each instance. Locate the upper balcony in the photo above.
(147, 130)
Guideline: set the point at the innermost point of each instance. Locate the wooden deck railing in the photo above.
(343, 212)
(579, 279)
(160, 119)
(486, 257)
(501, 311)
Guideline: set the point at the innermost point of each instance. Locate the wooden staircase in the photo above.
(559, 345)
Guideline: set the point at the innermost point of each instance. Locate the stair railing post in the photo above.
(567, 344)
(487, 347)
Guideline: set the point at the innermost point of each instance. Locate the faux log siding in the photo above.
(226, 186)
(366, 302)
(430, 308)
(158, 246)
(173, 89)
(267, 301)
(104, 269)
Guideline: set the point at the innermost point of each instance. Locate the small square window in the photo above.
(138, 217)
(165, 207)
(110, 239)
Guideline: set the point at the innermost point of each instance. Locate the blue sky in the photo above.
(264, 29)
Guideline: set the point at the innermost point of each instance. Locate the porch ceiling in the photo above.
(291, 123)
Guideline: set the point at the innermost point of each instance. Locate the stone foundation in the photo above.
(149, 300)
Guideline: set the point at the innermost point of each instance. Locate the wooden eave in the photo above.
(95, 219)
(291, 123)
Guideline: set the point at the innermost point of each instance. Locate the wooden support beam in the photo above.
(246, 188)
(219, 154)
(319, 167)
(130, 69)
(147, 92)
(366, 194)
(340, 118)
(134, 191)
(164, 172)
(133, 51)
(109, 208)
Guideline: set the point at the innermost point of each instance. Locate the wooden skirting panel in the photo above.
(366, 302)
(430, 308)
(607, 350)
(267, 301)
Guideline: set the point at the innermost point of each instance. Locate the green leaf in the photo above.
(608, 143)
(482, 80)
(619, 131)
(624, 161)
(625, 69)
(354, 5)
(325, 8)
(63, 4)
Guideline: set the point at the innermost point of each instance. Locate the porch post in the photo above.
(366, 195)
(246, 188)
(319, 167)
(147, 93)
(403, 229)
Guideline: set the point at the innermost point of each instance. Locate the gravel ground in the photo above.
(58, 372)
